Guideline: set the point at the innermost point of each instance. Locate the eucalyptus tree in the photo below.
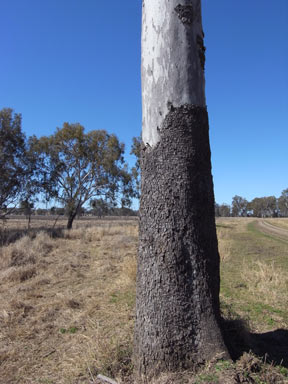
(26, 207)
(136, 151)
(177, 305)
(239, 206)
(283, 203)
(222, 210)
(16, 165)
(100, 207)
(75, 167)
(264, 206)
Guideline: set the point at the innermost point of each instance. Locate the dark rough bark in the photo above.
(71, 218)
(177, 309)
(185, 13)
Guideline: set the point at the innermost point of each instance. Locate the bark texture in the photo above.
(173, 58)
(71, 218)
(177, 307)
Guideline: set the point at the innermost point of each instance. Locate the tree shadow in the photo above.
(11, 235)
(271, 346)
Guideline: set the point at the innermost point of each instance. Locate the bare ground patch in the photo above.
(272, 229)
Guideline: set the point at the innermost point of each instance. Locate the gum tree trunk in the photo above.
(177, 305)
(71, 217)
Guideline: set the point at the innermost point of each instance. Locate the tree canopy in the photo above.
(136, 151)
(267, 206)
(283, 202)
(16, 164)
(78, 166)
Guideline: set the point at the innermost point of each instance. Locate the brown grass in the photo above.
(266, 281)
(26, 250)
(226, 227)
(282, 223)
(67, 310)
(67, 304)
(248, 369)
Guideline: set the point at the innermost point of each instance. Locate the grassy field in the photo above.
(67, 302)
(254, 273)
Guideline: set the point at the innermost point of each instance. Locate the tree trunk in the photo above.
(71, 218)
(177, 305)
(55, 222)
(29, 221)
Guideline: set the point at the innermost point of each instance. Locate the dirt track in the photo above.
(273, 230)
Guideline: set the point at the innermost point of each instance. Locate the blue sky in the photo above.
(79, 61)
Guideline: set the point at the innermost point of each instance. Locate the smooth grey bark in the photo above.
(177, 302)
(173, 59)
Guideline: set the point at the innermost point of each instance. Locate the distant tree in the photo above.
(100, 207)
(270, 206)
(216, 207)
(60, 211)
(283, 203)
(81, 212)
(15, 167)
(76, 167)
(123, 211)
(239, 206)
(53, 210)
(264, 206)
(41, 211)
(136, 151)
(26, 207)
(256, 207)
(224, 210)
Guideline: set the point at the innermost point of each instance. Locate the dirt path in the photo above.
(273, 230)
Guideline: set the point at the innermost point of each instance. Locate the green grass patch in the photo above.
(254, 277)
(207, 378)
(124, 297)
(223, 365)
(252, 228)
(70, 330)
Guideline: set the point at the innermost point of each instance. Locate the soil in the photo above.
(273, 230)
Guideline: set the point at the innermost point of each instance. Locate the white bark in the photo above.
(171, 74)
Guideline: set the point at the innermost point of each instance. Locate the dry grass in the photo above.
(225, 244)
(265, 281)
(249, 369)
(226, 227)
(67, 303)
(26, 250)
(254, 274)
(282, 223)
